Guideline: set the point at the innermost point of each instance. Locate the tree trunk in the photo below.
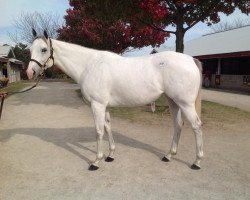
(180, 32)
(179, 42)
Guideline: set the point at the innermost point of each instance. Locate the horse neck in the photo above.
(72, 59)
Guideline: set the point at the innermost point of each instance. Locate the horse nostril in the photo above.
(30, 72)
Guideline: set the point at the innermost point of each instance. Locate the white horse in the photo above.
(109, 80)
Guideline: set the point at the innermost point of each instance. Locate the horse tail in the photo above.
(198, 98)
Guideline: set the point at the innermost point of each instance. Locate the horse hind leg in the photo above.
(107, 127)
(99, 118)
(192, 117)
(178, 123)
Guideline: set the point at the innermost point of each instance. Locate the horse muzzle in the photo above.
(32, 72)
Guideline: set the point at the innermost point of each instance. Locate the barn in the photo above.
(10, 67)
(225, 57)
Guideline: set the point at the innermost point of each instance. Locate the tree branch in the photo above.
(203, 16)
(171, 5)
(152, 25)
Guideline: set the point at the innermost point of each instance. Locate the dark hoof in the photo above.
(165, 159)
(195, 167)
(109, 159)
(93, 168)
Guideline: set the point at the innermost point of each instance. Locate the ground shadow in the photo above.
(65, 138)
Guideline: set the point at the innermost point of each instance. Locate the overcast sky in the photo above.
(10, 9)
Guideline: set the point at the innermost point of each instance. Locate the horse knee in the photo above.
(178, 128)
(196, 124)
(99, 134)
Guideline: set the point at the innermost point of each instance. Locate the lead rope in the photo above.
(30, 88)
(1, 106)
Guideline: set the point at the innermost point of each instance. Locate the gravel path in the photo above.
(47, 140)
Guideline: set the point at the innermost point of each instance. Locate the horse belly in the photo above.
(132, 100)
(134, 92)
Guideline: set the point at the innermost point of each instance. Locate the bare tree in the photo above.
(40, 21)
(229, 25)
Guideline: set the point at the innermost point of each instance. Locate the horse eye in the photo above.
(44, 50)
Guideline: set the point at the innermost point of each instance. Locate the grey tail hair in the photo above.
(198, 64)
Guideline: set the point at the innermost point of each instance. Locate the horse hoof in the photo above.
(93, 168)
(165, 159)
(109, 159)
(195, 167)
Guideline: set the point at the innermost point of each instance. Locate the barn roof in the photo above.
(7, 54)
(5, 50)
(236, 40)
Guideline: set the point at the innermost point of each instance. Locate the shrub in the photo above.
(4, 81)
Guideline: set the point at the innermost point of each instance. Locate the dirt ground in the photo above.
(47, 139)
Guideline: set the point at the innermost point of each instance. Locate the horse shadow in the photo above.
(66, 138)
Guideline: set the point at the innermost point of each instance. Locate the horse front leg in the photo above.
(98, 110)
(107, 127)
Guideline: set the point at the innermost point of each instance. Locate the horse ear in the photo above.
(45, 34)
(34, 34)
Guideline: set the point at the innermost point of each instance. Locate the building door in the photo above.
(5, 72)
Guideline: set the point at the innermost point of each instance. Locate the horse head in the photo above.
(41, 55)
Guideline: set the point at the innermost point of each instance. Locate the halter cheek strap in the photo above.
(40, 65)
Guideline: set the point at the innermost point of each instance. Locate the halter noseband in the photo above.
(50, 57)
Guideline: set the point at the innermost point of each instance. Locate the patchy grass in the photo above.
(15, 87)
(211, 113)
(143, 113)
(70, 80)
(220, 113)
